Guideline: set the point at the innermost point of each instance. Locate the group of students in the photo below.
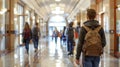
(68, 37)
(55, 34)
(31, 35)
(60, 34)
(91, 40)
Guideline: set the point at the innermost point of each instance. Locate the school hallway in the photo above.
(49, 54)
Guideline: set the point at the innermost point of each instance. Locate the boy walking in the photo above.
(36, 35)
(91, 48)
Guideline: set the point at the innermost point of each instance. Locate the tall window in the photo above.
(118, 23)
(20, 20)
(4, 19)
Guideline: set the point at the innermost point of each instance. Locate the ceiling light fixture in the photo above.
(57, 11)
(57, 0)
(3, 10)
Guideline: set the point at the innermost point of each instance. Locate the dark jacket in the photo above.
(70, 33)
(27, 35)
(91, 24)
(36, 32)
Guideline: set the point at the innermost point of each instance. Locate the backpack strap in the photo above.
(98, 28)
(87, 28)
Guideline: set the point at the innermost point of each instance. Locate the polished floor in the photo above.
(49, 54)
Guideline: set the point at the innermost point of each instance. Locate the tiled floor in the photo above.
(49, 55)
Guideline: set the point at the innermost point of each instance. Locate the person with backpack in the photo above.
(70, 38)
(91, 41)
(27, 35)
(35, 36)
(77, 30)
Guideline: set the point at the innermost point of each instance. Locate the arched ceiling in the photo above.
(48, 8)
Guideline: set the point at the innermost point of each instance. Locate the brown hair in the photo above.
(71, 24)
(26, 26)
(91, 14)
(36, 23)
(78, 23)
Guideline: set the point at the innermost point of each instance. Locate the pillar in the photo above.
(112, 23)
(79, 17)
(10, 27)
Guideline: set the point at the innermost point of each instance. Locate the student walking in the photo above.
(35, 36)
(70, 38)
(27, 34)
(91, 41)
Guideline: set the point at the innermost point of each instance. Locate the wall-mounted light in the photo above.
(27, 12)
(38, 20)
(118, 7)
(3, 10)
(33, 17)
(15, 11)
(15, 19)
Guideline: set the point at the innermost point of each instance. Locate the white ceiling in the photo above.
(45, 7)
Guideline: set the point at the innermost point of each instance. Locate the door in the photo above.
(4, 20)
(118, 29)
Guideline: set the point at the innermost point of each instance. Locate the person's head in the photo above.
(91, 14)
(26, 25)
(78, 23)
(36, 24)
(55, 28)
(71, 24)
(64, 28)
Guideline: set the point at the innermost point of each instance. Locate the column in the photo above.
(11, 36)
(93, 4)
(79, 17)
(112, 18)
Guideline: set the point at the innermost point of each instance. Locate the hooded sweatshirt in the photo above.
(91, 24)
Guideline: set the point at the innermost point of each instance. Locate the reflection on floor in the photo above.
(49, 54)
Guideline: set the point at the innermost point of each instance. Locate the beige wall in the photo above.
(118, 11)
(118, 2)
(107, 9)
(83, 17)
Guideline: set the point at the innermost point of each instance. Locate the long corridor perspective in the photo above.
(49, 54)
(27, 22)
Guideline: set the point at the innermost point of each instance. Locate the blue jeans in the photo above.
(70, 46)
(56, 39)
(27, 44)
(35, 41)
(91, 61)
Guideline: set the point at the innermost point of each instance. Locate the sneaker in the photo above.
(27, 52)
(35, 50)
(69, 53)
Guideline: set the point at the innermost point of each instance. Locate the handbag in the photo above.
(23, 40)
